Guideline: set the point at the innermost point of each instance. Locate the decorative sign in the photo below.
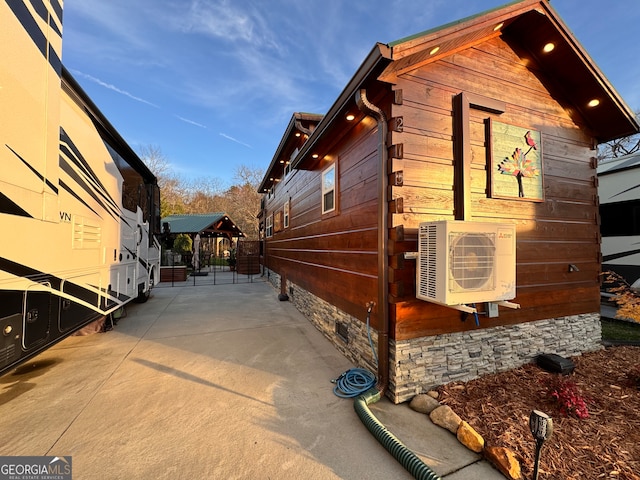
(516, 162)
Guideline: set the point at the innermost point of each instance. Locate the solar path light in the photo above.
(541, 426)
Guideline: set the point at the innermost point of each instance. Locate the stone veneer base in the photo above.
(420, 364)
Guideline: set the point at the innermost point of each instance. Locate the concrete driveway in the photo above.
(220, 382)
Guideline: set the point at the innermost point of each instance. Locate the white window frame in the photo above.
(329, 188)
(286, 213)
(269, 226)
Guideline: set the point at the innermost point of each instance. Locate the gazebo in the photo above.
(212, 226)
(208, 225)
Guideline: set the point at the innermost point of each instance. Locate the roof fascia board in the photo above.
(408, 45)
(281, 145)
(291, 127)
(416, 51)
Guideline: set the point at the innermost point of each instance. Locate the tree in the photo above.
(155, 160)
(172, 190)
(243, 200)
(621, 146)
(626, 298)
(204, 195)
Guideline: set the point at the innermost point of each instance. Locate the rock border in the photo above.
(502, 458)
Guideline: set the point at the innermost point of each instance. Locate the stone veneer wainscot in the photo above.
(420, 364)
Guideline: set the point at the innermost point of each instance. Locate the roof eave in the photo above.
(380, 54)
(286, 138)
(625, 120)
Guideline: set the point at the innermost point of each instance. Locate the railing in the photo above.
(212, 270)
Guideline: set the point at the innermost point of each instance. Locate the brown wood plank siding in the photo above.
(335, 255)
(560, 231)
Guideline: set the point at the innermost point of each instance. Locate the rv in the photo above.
(78, 208)
(619, 192)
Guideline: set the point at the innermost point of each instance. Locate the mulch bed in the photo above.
(606, 444)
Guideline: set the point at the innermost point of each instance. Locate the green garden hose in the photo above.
(409, 460)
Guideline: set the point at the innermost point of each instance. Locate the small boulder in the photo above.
(445, 417)
(433, 393)
(505, 461)
(424, 404)
(470, 438)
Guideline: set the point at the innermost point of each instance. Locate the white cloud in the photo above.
(186, 120)
(113, 88)
(228, 137)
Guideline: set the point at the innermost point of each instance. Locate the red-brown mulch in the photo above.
(606, 444)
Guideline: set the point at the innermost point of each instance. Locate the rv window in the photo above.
(620, 219)
(133, 183)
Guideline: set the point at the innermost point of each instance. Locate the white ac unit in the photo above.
(461, 262)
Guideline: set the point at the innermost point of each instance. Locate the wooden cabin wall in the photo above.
(560, 231)
(333, 256)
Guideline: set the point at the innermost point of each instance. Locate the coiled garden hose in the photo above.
(409, 460)
(353, 382)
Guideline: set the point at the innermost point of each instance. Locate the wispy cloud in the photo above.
(227, 21)
(186, 120)
(114, 88)
(228, 137)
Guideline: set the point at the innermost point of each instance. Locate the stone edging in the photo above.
(502, 458)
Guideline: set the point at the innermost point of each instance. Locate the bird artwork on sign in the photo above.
(519, 166)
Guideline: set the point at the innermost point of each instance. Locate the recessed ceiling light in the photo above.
(498, 26)
(548, 47)
(434, 50)
(594, 103)
(297, 134)
(351, 117)
(315, 155)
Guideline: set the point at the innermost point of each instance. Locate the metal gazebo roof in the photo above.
(206, 224)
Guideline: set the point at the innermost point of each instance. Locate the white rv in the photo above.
(619, 192)
(78, 208)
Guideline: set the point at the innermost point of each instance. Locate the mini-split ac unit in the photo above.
(461, 262)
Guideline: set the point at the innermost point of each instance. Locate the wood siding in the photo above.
(334, 256)
(560, 231)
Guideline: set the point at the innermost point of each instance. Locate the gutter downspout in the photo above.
(383, 238)
(409, 460)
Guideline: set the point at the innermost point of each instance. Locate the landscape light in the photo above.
(541, 426)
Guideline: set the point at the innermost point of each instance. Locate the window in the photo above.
(269, 226)
(329, 189)
(286, 213)
(620, 219)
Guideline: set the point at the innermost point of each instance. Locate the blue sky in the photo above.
(213, 83)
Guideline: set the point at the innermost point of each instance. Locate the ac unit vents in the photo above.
(466, 262)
